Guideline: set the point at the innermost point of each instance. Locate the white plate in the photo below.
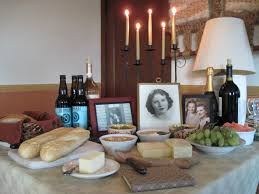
(213, 150)
(110, 168)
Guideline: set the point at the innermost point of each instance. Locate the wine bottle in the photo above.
(79, 106)
(228, 98)
(62, 104)
(211, 95)
(91, 88)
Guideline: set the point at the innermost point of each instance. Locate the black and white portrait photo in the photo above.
(196, 110)
(159, 105)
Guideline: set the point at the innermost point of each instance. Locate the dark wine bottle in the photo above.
(79, 106)
(228, 98)
(62, 105)
(209, 91)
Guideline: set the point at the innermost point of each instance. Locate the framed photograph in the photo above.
(196, 110)
(253, 107)
(107, 111)
(158, 105)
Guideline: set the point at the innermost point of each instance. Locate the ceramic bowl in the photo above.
(118, 142)
(182, 130)
(247, 136)
(153, 134)
(213, 150)
(122, 129)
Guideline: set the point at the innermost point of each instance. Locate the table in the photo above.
(235, 173)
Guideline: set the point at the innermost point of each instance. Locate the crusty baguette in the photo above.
(31, 148)
(65, 144)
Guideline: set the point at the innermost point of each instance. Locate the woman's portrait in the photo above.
(192, 117)
(196, 110)
(202, 112)
(158, 105)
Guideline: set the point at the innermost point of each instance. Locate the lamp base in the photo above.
(240, 81)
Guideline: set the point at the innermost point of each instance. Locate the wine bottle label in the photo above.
(65, 115)
(79, 116)
(93, 96)
(220, 106)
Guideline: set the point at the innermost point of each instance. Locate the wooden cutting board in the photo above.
(37, 163)
(162, 177)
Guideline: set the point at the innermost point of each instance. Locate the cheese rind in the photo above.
(92, 162)
(154, 149)
(180, 148)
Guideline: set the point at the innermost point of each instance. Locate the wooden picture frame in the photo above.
(149, 116)
(196, 109)
(106, 111)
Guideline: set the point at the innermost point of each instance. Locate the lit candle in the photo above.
(137, 42)
(163, 40)
(127, 28)
(150, 27)
(173, 39)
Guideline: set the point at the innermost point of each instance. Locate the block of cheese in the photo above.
(154, 149)
(92, 162)
(180, 148)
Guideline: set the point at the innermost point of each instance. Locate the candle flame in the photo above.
(126, 12)
(150, 11)
(163, 24)
(138, 26)
(173, 10)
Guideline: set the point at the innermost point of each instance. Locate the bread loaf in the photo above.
(31, 148)
(63, 145)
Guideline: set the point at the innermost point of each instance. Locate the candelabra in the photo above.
(167, 61)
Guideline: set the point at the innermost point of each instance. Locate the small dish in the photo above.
(182, 130)
(122, 129)
(153, 134)
(118, 142)
(213, 150)
(248, 136)
(110, 168)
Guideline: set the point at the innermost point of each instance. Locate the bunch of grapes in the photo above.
(217, 136)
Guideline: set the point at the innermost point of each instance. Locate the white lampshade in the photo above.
(225, 38)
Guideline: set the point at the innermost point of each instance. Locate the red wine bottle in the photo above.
(228, 98)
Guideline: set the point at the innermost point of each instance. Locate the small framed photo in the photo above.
(158, 105)
(107, 111)
(253, 107)
(196, 110)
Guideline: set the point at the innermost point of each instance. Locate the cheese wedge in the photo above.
(180, 148)
(92, 162)
(154, 149)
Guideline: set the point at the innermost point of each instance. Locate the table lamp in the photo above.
(226, 38)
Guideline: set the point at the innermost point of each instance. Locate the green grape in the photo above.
(202, 142)
(233, 141)
(226, 143)
(219, 135)
(221, 142)
(207, 133)
(208, 142)
(200, 135)
(213, 138)
(192, 137)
